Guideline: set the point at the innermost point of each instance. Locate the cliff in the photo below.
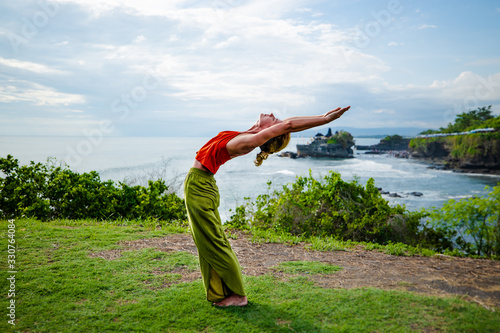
(395, 142)
(478, 152)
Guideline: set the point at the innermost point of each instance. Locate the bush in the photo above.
(47, 192)
(344, 210)
(392, 139)
(474, 221)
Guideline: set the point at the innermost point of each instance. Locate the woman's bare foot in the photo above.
(233, 300)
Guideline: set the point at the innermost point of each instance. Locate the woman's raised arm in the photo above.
(245, 144)
(298, 124)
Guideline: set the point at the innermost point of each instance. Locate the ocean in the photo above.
(137, 159)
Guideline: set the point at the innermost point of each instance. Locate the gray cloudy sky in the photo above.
(186, 67)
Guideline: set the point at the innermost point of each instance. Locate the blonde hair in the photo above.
(273, 145)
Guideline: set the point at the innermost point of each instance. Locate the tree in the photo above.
(473, 118)
(393, 139)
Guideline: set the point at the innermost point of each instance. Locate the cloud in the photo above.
(309, 11)
(392, 43)
(217, 60)
(240, 58)
(470, 87)
(485, 62)
(259, 76)
(427, 26)
(384, 111)
(30, 66)
(228, 42)
(143, 7)
(36, 94)
(425, 106)
(139, 39)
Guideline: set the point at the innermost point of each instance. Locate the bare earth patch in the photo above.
(476, 280)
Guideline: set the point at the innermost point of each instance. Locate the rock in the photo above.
(288, 154)
(381, 191)
(375, 152)
(333, 146)
(417, 194)
(391, 145)
(437, 167)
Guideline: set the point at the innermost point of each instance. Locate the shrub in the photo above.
(46, 192)
(474, 221)
(344, 210)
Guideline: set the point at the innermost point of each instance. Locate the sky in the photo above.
(193, 68)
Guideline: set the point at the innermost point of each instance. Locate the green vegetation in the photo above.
(306, 267)
(327, 215)
(329, 243)
(422, 145)
(480, 118)
(65, 283)
(79, 274)
(475, 222)
(346, 211)
(469, 146)
(47, 192)
(342, 137)
(467, 121)
(338, 215)
(392, 139)
(474, 146)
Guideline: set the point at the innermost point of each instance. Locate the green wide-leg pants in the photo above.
(220, 269)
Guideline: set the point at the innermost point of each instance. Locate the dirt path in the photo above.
(476, 280)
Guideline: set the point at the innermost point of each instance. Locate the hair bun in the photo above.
(260, 158)
(272, 146)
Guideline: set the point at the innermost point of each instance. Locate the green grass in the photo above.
(329, 243)
(60, 288)
(307, 267)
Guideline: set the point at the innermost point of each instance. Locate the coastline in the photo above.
(446, 165)
(442, 164)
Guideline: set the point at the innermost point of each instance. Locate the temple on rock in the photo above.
(336, 145)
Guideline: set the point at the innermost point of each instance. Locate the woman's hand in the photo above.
(335, 114)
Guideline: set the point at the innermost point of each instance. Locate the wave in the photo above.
(369, 168)
(286, 172)
(458, 197)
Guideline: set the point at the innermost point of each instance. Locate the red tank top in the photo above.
(214, 153)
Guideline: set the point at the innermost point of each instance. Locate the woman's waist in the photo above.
(197, 165)
(200, 170)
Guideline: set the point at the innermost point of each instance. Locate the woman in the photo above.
(220, 269)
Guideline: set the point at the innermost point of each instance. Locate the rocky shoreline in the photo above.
(447, 165)
(474, 153)
(399, 195)
(437, 154)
